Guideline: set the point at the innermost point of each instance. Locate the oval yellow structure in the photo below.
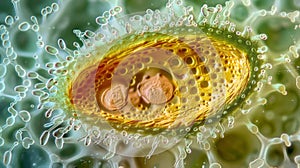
(155, 80)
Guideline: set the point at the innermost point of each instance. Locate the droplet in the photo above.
(32, 75)
(6, 61)
(2, 86)
(7, 157)
(256, 163)
(77, 32)
(55, 7)
(34, 19)
(35, 27)
(24, 26)
(44, 138)
(48, 113)
(51, 50)
(12, 111)
(5, 36)
(20, 88)
(101, 20)
(246, 2)
(25, 115)
(77, 45)
(1, 141)
(50, 83)
(15, 1)
(18, 135)
(27, 142)
(89, 34)
(297, 159)
(6, 43)
(87, 141)
(13, 56)
(48, 9)
(44, 12)
(27, 83)
(118, 9)
(253, 128)
(61, 44)
(230, 121)
(286, 139)
(40, 44)
(10, 51)
(37, 92)
(298, 82)
(10, 121)
(21, 72)
(9, 20)
(58, 133)
(2, 70)
(106, 15)
(39, 86)
(47, 125)
(59, 142)
(215, 165)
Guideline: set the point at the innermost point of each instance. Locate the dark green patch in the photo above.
(3, 109)
(11, 80)
(9, 133)
(6, 8)
(35, 6)
(237, 147)
(280, 31)
(25, 41)
(80, 15)
(68, 151)
(26, 62)
(269, 128)
(33, 157)
(199, 3)
(232, 153)
(57, 165)
(293, 150)
(197, 159)
(239, 13)
(275, 155)
(266, 4)
(296, 64)
(134, 6)
(27, 103)
(291, 125)
(84, 162)
(289, 5)
(282, 104)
